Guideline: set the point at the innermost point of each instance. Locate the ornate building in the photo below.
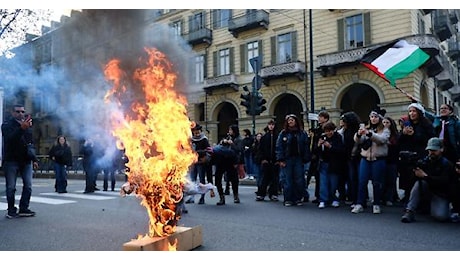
(310, 61)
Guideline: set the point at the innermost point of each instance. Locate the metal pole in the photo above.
(305, 58)
(312, 82)
(254, 100)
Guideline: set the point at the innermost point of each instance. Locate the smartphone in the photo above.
(362, 126)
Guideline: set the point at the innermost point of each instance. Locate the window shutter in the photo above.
(261, 56)
(243, 58)
(340, 35)
(367, 29)
(214, 18)
(190, 24)
(214, 64)
(294, 46)
(273, 50)
(232, 60)
(203, 22)
(205, 66)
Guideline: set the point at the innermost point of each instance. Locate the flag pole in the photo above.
(412, 98)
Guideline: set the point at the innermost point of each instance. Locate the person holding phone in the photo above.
(17, 136)
(413, 138)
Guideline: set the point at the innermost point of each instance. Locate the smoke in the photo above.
(72, 93)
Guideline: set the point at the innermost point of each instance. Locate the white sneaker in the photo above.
(335, 204)
(321, 205)
(376, 209)
(357, 209)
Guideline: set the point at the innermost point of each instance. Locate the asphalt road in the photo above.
(104, 221)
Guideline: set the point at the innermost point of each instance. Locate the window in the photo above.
(177, 28)
(199, 69)
(224, 62)
(221, 17)
(354, 32)
(253, 51)
(284, 53)
(197, 22)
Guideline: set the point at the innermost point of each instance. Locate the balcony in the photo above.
(221, 82)
(442, 26)
(444, 79)
(253, 20)
(328, 63)
(282, 71)
(203, 35)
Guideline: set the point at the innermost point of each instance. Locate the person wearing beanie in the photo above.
(416, 132)
(372, 166)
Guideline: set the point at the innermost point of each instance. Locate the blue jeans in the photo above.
(294, 180)
(329, 183)
(11, 170)
(248, 164)
(61, 177)
(374, 171)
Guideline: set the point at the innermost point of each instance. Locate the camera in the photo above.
(412, 160)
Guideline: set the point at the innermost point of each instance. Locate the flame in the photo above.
(155, 133)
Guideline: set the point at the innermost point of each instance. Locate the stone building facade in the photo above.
(309, 60)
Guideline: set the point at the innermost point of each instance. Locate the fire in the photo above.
(155, 133)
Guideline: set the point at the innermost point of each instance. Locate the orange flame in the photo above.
(155, 134)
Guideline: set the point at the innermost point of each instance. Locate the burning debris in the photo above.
(155, 131)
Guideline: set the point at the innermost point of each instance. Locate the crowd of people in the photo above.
(418, 154)
(413, 161)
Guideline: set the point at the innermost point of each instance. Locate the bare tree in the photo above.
(16, 24)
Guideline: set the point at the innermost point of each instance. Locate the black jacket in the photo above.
(62, 154)
(15, 140)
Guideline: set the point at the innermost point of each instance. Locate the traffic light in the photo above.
(259, 104)
(247, 100)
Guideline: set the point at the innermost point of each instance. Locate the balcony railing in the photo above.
(283, 70)
(203, 35)
(219, 82)
(252, 20)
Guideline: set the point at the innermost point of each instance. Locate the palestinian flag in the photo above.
(395, 60)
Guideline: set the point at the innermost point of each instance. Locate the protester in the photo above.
(197, 170)
(61, 154)
(332, 160)
(18, 157)
(292, 152)
(447, 127)
(269, 168)
(432, 175)
(313, 170)
(374, 151)
(416, 132)
(226, 157)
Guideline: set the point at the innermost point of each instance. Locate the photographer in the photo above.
(432, 174)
